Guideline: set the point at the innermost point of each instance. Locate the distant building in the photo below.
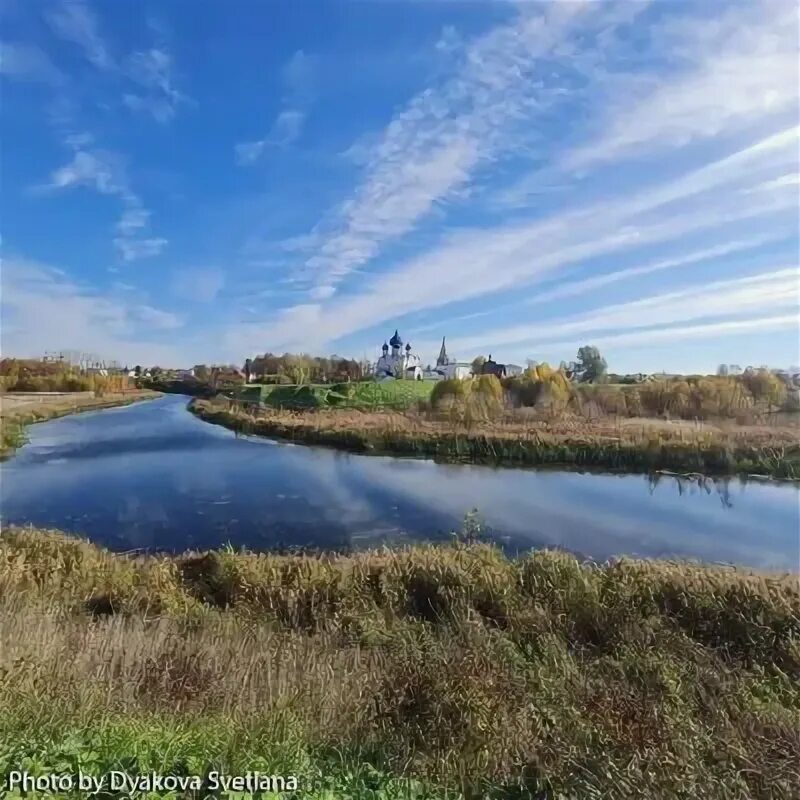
(398, 365)
(447, 367)
(490, 367)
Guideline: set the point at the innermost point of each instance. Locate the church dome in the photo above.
(396, 341)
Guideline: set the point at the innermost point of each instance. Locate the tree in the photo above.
(477, 364)
(591, 365)
(722, 371)
(137, 370)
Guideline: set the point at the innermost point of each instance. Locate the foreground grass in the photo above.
(13, 421)
(428, 672)
(604, 444)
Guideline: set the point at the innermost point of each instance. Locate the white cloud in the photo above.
(285, 130)
(782, 182)
(28, 62)
(477, 263)
(742, 68)
(430, 150)
(698, 333)
(155, 318)
(574, 288)
(96, 170)
(75, 22)
(44, 310)
(766, 292)
(152, 69)
(134, 249)
(132, 220)
(298, 77)
(322, 292)
(199, 285)
(287, 127)
(103, 172)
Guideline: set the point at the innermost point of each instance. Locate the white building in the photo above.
(398, 365)
(450, 368)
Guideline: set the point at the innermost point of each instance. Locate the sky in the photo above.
(199, 182)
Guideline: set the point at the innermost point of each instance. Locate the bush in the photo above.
(446, 393)
(540, 386)
(765, 387)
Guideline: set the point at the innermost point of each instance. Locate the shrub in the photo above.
(540, 386)
(485, 397)
(765, 387)
(450, 391)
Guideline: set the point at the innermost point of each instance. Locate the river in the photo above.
(153, 476)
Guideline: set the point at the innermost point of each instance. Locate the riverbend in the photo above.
(153, 476)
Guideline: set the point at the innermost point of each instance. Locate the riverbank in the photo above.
(632, 445)
(427, 672)
(15, 418)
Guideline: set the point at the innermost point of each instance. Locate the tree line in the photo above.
(301, 368)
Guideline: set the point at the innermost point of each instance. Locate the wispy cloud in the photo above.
(430, 151)
(147, 74)
(104, 172)
(739, 69)
(698, 333)
(201, 285)
(152, 70)
(75, 22)
(775, 291)
(43, 309)
(298, 81)
(29, 63)
(482, 262)
(575, 288)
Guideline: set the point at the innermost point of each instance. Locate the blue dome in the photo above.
(396, 341)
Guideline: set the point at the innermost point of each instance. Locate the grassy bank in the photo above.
(364, 395)
(427, 672)
(606, 444)
(13, 421)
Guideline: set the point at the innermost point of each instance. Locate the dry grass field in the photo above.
(637, 444)
(428, 672)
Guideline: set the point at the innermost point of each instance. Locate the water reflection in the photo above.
(686, 484)
(152, 476)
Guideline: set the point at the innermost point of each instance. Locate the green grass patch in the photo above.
(362, 395)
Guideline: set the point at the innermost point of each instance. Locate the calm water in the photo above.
(153, 476)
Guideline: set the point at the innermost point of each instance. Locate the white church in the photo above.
(447, 367)
(398, 365)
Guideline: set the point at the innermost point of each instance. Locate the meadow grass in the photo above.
(366, 395)
(426, 672)
(14, 420)
(610, 444)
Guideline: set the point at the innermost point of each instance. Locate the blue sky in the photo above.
(201, 182)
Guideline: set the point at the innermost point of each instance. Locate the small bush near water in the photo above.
(426, 672)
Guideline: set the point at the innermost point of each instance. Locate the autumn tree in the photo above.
(477, 364)
(591, 366)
